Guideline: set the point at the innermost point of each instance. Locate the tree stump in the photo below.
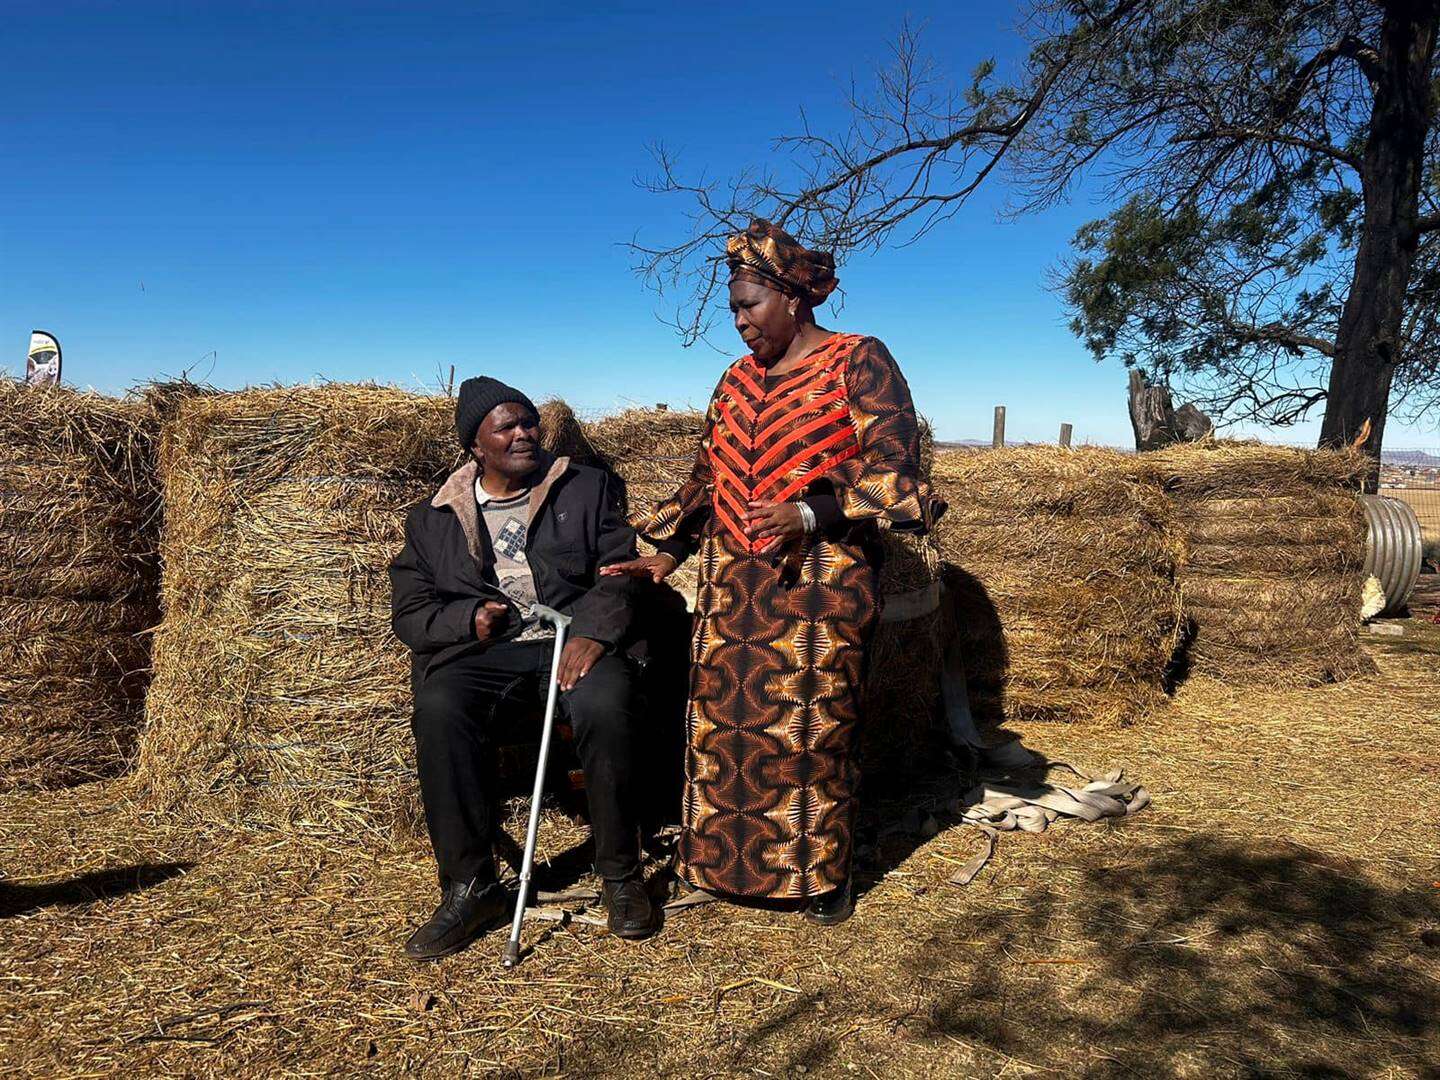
(1156, 421)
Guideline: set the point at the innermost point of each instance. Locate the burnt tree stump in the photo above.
(1156, 421)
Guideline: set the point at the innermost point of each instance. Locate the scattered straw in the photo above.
(1249, 922)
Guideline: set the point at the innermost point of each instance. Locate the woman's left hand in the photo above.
(779, 521)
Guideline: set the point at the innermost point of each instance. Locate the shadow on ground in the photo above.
(85, 889)
(1193, 957)
(1203, 950)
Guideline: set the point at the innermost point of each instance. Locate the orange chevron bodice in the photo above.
(773, 437)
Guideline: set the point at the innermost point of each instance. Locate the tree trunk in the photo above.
(1368, 340)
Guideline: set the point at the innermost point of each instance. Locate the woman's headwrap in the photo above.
(768, 254)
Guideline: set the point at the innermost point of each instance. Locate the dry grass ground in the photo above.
(1276, 911)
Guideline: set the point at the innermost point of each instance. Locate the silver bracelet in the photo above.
(807, 517)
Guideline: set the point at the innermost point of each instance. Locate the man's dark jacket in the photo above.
(447, 567)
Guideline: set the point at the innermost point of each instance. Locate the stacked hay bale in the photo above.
(1273, 578)
(79, 528)
(279, 688)
(1060, 582)
(653, 451)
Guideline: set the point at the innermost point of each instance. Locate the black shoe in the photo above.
(628, 908)
(463, 915)
(833, 907)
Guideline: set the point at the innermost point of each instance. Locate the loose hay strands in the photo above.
(1060, 582)
(1248, 921)
(79, 527)
(279, 687)
(1276, 545)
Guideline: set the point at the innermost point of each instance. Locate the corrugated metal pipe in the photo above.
(1392, 548)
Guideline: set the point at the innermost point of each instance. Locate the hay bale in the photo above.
(79, 574)
(280, 690)
(1272, 583)
(562, 434)
(278, 685)
(1059, 580)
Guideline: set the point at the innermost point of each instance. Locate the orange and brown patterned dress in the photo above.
(780, 638)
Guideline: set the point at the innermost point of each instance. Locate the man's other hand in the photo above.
(578, 658)
(489, 618)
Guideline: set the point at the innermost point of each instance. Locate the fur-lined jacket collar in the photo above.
(458, 493)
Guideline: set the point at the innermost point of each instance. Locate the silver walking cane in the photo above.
(562, 625)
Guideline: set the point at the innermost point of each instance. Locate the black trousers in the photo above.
(460, 707)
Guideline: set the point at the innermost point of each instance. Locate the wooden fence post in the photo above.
(1066, 430)
(998, 441)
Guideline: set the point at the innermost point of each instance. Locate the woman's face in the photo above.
(762, 318)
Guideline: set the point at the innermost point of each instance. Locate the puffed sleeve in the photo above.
(674, 525)
(883, 480)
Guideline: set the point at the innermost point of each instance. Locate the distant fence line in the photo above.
(1413, 474)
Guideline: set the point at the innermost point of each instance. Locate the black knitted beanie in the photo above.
(477, 397)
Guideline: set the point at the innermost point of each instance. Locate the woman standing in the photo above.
(810, 446)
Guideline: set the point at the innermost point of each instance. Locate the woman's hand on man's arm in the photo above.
(656, 567)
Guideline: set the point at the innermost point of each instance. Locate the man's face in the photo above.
(508, 441)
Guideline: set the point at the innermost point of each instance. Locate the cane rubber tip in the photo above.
(512, 954)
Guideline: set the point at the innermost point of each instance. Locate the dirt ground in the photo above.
(1275, 911)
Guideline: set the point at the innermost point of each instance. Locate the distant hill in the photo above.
(1423, 459)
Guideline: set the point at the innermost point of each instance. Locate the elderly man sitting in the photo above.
(511, 527)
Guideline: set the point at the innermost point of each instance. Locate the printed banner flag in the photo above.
(43, 367)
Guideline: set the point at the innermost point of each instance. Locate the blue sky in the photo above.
(366, 191)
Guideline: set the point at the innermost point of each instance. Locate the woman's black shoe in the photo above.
(833, 907)
(463, 915)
